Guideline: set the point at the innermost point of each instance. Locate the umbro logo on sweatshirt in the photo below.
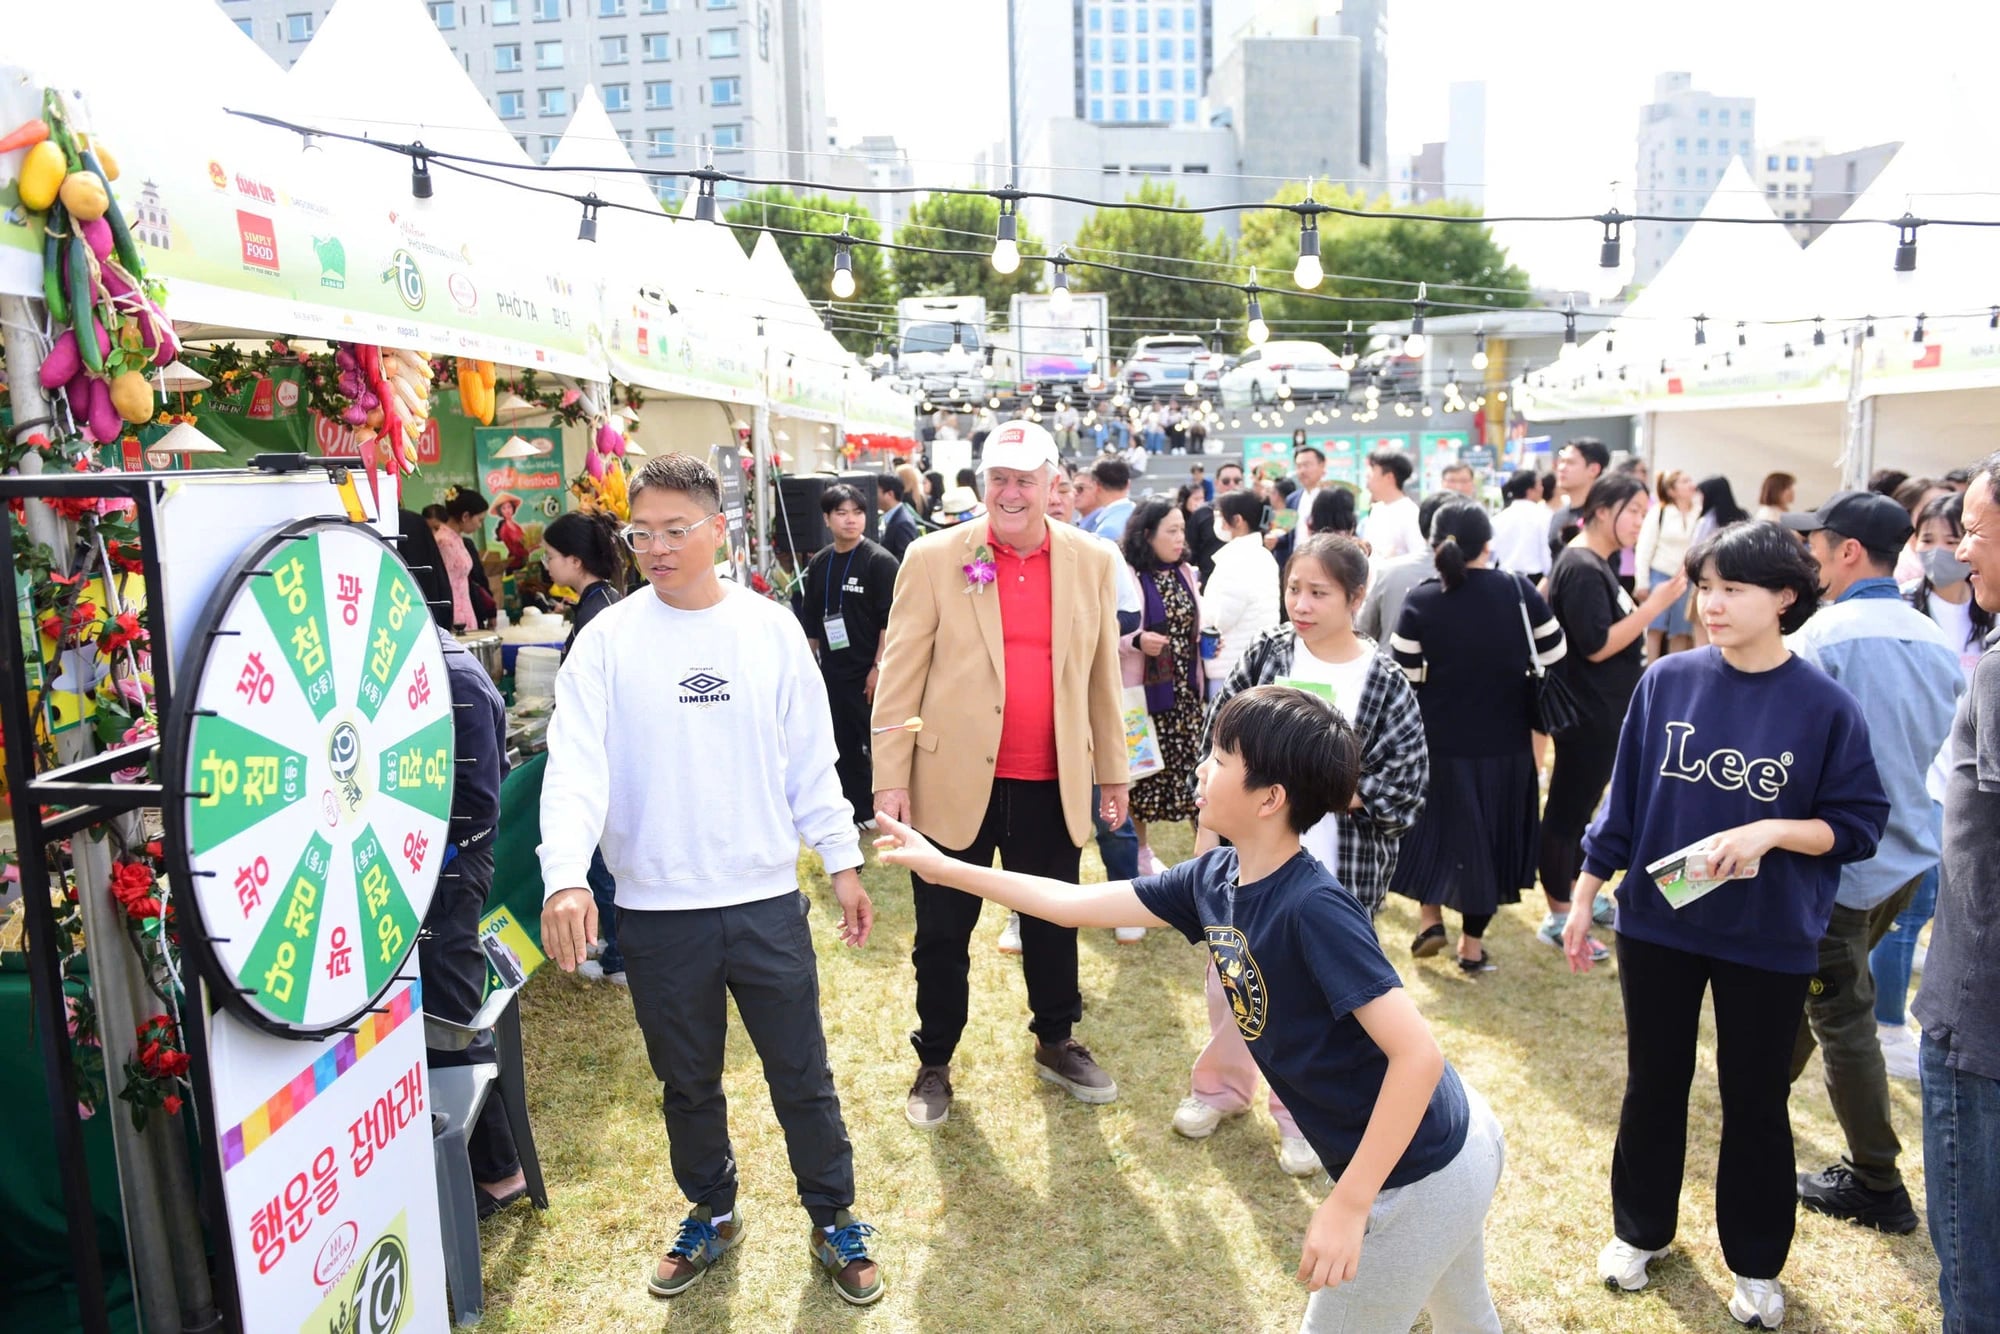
(704, 689)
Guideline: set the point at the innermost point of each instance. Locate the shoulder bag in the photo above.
(1554, 708)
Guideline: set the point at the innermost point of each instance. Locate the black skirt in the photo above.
(1473, 847)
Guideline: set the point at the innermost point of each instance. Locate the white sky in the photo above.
(1565, 81)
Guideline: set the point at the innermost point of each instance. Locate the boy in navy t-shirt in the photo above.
(1415, 1153)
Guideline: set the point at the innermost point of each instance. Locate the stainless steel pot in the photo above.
(485, 646)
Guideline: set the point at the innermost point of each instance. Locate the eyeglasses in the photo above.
(641, 540)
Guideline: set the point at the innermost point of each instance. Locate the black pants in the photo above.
(1024, 824)
(1757, 1015)
(850, 737)
(683, 968)
(1582, 770)
(453, 968)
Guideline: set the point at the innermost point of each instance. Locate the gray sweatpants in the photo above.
(1425, 1248)
(679, 965)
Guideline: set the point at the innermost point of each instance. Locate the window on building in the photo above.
(548, 11)
(1118, 20)
(1680, 202)
(507, 57)
(1142, 50)
(1120, 81)
(1187, 50)
(1151, 169)
(1806, 163)
(1701, 116)
(728, 136)
(1166, 81)
(1771, 162)
(721, 4)
(723, 43)
(617, 97)
(1743, 147)
(549, 142)
(1166, 20)
(1195, 169)
(1792, 163)
(1165, 50)
(1097, 108)
(298, 27)
(1139, 23)
(1119, 109)
(548, 55)
(1680, 145)
(1791, 190)
(1772, 190)
(1701, 175)
(611, 9)
(611, 51)
(659, 143)
(1187, 18)
(1743, 120)
(660, 95)
(1701, 148)
(445, 15)
(1167, 109)
(652, 6)
(1096, 19)
(1722, 116)
(1097, 81)
(1145, 108)
(625, 137)
(1145, 81)
(725, 92)
(553, 101)
(1118, 52)
(1096, 49)
(512, 105)
(1187, 113)
(657, 46)
(505, 12)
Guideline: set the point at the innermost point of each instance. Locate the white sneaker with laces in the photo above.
(1010, 934)
(1899, 1050)
(1195, 1119)
(1758, 1303)
(1128, 935)
(1623, 1265)
(590, 970)
(1296, 1157)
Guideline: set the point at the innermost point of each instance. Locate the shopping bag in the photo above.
(1142, 741)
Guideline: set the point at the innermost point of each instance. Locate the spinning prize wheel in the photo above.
(313, 725)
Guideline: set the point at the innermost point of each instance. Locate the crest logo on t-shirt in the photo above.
(704, 689)
(1242, 980)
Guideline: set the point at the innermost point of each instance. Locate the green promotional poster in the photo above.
(525, 493)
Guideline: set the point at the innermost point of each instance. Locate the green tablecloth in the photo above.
(517, 873)
(37, 1291)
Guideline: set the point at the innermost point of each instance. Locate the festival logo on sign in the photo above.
(332, 261)
(217, 177)
(463, 294)
(288, 394)
(1242, 980)
(407, 277)
(260, 241)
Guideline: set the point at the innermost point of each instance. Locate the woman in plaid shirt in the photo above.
(1325, 582)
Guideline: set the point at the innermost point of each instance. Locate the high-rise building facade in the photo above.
(1785, 173)
(679, 78)
(1687, 138)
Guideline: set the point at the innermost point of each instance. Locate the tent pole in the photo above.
(1857, 456)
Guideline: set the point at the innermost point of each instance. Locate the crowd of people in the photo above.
(1770, 756)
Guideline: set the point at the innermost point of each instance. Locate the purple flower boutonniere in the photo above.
(980, 570)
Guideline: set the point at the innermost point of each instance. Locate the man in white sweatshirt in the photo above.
(692, 740)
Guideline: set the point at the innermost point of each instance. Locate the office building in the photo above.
(1454, 168)
(1686, 140)
(1784, 172)
(875, 160)
(679, 78)
(1838, 179)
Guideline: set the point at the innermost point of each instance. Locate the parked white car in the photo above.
(1165, 363)
(1307, 370)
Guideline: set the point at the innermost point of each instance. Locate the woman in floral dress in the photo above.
(1163, 656)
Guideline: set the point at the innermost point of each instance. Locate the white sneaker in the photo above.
(1917, 958)
(1623, 1265)
(1195, 1119)
(1899, 1050)
(1128, 935)
(1296, 1157)
(591, 970)
(593, 949)
(1758, 1303)
(1010, 934)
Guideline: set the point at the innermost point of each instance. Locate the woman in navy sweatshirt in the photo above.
(1761, 754)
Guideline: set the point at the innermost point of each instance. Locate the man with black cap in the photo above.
(1896, 662)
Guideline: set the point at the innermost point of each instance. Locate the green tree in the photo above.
(963, 222)
(1387, 255)
(1176, 245)
(811, 257)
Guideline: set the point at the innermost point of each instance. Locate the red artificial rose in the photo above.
(174, 1063)
(156, 849)
(150, 1053)
(171, 1104)
(143, 908)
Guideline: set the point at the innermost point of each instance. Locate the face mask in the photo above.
(1221, 529)
(1942, 568)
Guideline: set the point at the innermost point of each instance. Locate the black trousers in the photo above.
(453, 968)
(1757, 1015)
(1024, 824)
(1576, 784)
(854, 765)
(684, 967)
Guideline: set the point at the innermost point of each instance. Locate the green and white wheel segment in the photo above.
(318, 762)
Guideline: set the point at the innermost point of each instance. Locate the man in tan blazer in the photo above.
(1003, 637)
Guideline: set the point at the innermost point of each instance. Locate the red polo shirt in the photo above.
(1028, 728)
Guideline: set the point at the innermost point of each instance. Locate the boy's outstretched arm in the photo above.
(1111, 904)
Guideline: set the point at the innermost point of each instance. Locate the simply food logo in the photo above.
(704, 689)
(260, 241)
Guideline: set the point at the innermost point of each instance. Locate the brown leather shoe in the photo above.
(700, 1244)
(930, 1097)
(1068, 1063)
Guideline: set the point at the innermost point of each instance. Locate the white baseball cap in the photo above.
(1020, 445)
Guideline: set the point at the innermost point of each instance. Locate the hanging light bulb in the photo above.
(1255, 328)
(1607, 253)
(1918, 336)
(1742, 338)
(957, 337)
(1569, 330)
(843, 264)
(1906, 244)
(1415, 344)
(1700, 330)
(1993, 320)
(1307, 273)
(1480, 360)
(1819, 332)
(1059, 297)
(587, 229)
(1006, 248)
(1347, 357)
(704, 201)
(420, 171)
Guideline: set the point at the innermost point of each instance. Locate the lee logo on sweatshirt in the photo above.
(704, 689)
(1726, 768)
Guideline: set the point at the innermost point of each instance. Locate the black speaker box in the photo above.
(798, 525)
